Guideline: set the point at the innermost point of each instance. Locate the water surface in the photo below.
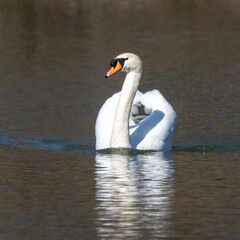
(53, 185)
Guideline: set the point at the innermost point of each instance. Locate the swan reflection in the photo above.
(133, 194)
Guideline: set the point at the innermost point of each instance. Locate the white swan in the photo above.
(131, 119)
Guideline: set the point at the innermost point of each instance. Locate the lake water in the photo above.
(53, 57)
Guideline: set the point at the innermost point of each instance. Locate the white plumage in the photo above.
(115, 126)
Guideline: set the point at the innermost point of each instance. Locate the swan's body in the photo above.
(115, 126)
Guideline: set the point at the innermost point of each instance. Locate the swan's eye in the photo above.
(113, 63)
(122, 61)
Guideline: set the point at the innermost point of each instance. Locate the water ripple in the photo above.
(132, 192)
(61, 145)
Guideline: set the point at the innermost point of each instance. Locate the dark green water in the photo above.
(53, 184)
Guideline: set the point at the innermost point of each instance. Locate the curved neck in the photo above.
(120, 133)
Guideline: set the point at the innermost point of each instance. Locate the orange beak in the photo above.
(114, 70)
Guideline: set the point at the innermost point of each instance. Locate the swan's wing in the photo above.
(104, 122)
(155, 131)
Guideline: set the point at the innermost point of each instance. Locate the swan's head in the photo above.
(127, 62)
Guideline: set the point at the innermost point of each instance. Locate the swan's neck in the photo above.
(120, 133)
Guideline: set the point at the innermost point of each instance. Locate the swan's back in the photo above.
(153, 132)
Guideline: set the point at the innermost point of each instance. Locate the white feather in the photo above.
(155, 132)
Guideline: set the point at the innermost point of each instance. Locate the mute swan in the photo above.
(131, 119)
